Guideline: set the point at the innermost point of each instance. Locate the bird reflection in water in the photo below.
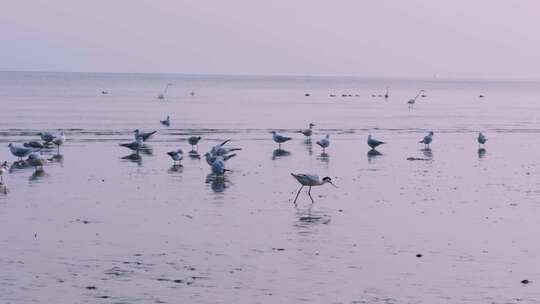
(308, 145)
(218, 183)
(482, 152)
(428, 153)
(194, 154)
(324, 157)
(134, 157)
(37, 175)
(372, 154)
(278, 153)
(177, 168)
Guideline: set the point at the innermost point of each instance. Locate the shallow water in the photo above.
(96, 228)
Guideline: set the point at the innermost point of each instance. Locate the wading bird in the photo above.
(481, 139)
(427, 140)
(411, 102)
(279, 139)
(194, 141)
(324, 142)
(20, 152)
(373, 143)
(176, 156)
(59, 140)
(308, 180)
(307, 132)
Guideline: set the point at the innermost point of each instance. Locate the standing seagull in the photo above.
(373, 143)
(35, 159)
(143, 136)
(218, 167)
(59, 140)
(176, 156)
(309, 131)
(411, 102)
(20, 152)
(324, 142)
(427, 140)
(166, 122)
(194, 141)
(310, 181)
(481, 139)
(3, 169)
(280, 138)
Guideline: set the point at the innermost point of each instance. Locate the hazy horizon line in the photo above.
(373, 77)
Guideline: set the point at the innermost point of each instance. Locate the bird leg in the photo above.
(297, 194)
(309, 193)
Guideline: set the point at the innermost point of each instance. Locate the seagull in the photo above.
(218, 167)
(280, 138)
(176, 156)
(411, 102)
(166, 122)
(219, 150)
(143, 136)
(20, 152)
(324, 142)
(481, 139)
(3, 169)
(35, 159)
(135, 145)
(427, 140)
(33, 144)
(194, 141)
(210, 158)
(373, 143)
(309, 131)
(310, 181)
(59, 140)
(46, 137)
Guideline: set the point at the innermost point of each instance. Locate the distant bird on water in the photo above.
(373, 143)
(279, 139)
(427, 140)
(194, 142)
(166, 122)
(481, 139)
(411, 102)
(143, 136)
(307, 132)
(324, 142)
(386, 95)
(3, 169)
(176, 156)
(309, 180)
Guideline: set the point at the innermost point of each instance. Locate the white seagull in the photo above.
(35, 159)
(176, 156)
(411, 102)
(310, 180)
(373, 143)
(324, 142)
(427, 140)
(280, 138)
(481, 139)
(20, 152)
(59, 140)
(309, 131)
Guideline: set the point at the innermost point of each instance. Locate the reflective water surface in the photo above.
(451, 224)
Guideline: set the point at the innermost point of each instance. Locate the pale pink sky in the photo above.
(398, 38)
